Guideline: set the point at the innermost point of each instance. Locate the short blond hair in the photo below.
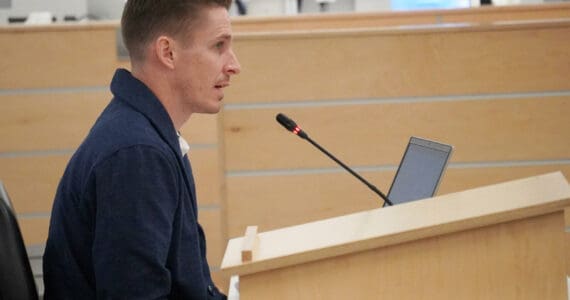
(145, 20)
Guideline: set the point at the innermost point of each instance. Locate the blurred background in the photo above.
(81, 10)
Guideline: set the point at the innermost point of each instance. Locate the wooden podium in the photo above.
(504, 241)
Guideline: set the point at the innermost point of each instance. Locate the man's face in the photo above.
(204, 66)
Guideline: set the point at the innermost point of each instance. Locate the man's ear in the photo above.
(164, 51)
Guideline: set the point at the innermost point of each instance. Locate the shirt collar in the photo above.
(127, 88)
(184, 147)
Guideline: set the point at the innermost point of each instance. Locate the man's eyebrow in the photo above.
(224, 36)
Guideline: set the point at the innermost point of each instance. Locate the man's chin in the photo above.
(213, 109)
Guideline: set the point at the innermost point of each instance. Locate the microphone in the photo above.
(294, 128)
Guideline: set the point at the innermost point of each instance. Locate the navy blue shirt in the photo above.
(124, 222)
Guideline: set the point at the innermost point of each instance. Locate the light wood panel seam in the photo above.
(383, 168)
(390, 100)
(281, 172)
(54, 90)
(208, 207)
(89, 26)
(43, 215)
(506, 163)
(202, 146)
(401, 30)
(36, 153)
(536, 21)
(32, 216)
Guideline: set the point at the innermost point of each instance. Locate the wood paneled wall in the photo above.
(498, 93)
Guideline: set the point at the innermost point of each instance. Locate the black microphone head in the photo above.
(286, 122)
(291, 125)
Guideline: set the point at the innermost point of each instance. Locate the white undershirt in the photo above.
(184, 147)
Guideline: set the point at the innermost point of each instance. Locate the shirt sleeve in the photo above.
(137, 196)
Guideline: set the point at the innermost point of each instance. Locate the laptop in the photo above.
(420, 170)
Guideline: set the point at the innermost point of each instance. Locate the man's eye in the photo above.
(219, 45)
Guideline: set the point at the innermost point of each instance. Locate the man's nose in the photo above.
(233, 67)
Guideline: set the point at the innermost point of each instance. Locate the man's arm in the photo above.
(137, 197)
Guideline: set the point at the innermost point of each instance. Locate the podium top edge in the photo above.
(474, 208)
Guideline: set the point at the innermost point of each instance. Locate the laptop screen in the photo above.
(420, 170)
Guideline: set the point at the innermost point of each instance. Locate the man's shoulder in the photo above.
(120, 128)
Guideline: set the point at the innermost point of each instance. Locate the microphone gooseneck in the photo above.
(294, 128)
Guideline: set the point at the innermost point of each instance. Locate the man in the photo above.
(124, 221)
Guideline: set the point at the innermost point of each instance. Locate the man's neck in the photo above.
(157, 82)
